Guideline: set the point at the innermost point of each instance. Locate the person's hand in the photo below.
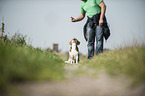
(72, 19)
(100, 22)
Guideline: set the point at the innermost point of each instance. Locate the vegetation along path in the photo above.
(28, 71)
(84, 81)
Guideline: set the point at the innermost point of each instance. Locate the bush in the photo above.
(19, 39)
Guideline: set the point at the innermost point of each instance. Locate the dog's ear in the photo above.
(70, 43)
(78, 42)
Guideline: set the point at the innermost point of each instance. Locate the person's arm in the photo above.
(81, 17)
(103, 10)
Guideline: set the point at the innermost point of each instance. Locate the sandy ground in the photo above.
(101, 85)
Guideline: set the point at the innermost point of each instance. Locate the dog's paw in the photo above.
(67, 62)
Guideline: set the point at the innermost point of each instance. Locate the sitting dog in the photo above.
(74, 51)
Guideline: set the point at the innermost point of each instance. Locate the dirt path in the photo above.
(102, 85)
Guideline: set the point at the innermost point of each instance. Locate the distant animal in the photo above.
(74, 51)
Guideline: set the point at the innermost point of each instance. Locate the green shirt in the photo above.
(90, 7)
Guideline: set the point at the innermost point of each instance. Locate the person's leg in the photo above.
(99, 39)
(91, 39)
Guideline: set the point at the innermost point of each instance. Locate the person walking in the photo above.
(95, 11)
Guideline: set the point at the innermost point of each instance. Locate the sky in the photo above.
(48, 21)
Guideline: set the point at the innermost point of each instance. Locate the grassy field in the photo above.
(20, 64)
(25, 63)
(129, 61)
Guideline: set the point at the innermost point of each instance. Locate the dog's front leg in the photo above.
(77, 59)
(72, 61)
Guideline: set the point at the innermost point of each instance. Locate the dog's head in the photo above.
(74, 40)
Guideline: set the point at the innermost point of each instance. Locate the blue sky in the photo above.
(48, 21)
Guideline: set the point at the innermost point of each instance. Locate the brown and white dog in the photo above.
(74, 51)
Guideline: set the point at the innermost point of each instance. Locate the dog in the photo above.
(74, 51)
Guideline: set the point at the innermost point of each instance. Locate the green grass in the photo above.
(25, 63)
(128, 62)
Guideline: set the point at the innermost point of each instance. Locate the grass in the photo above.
(129, 61)
(25, 63)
